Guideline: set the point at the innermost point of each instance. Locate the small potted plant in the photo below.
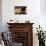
(41, 36)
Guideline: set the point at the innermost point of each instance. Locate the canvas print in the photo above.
(20, 9)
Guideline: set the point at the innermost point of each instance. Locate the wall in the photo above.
(33, 10)
(33, 14)
(0, 15)
(43, 14)
(43, 6)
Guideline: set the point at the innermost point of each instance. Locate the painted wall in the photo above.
(43, 6)
(33, 11)
(43, 14)
(33, 14)
(0, 15)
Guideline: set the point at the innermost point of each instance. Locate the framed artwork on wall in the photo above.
(20, 9)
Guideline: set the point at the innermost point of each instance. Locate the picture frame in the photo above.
(20, 10)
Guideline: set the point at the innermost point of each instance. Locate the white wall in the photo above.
(43, 6)
(33, 14)
(43, 14)
(33, 10)
(0, 15)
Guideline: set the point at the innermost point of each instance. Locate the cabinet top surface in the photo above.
(19, 23)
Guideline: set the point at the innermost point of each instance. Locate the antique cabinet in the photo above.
(22, 33)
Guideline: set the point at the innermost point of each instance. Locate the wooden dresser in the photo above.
(22, 33)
